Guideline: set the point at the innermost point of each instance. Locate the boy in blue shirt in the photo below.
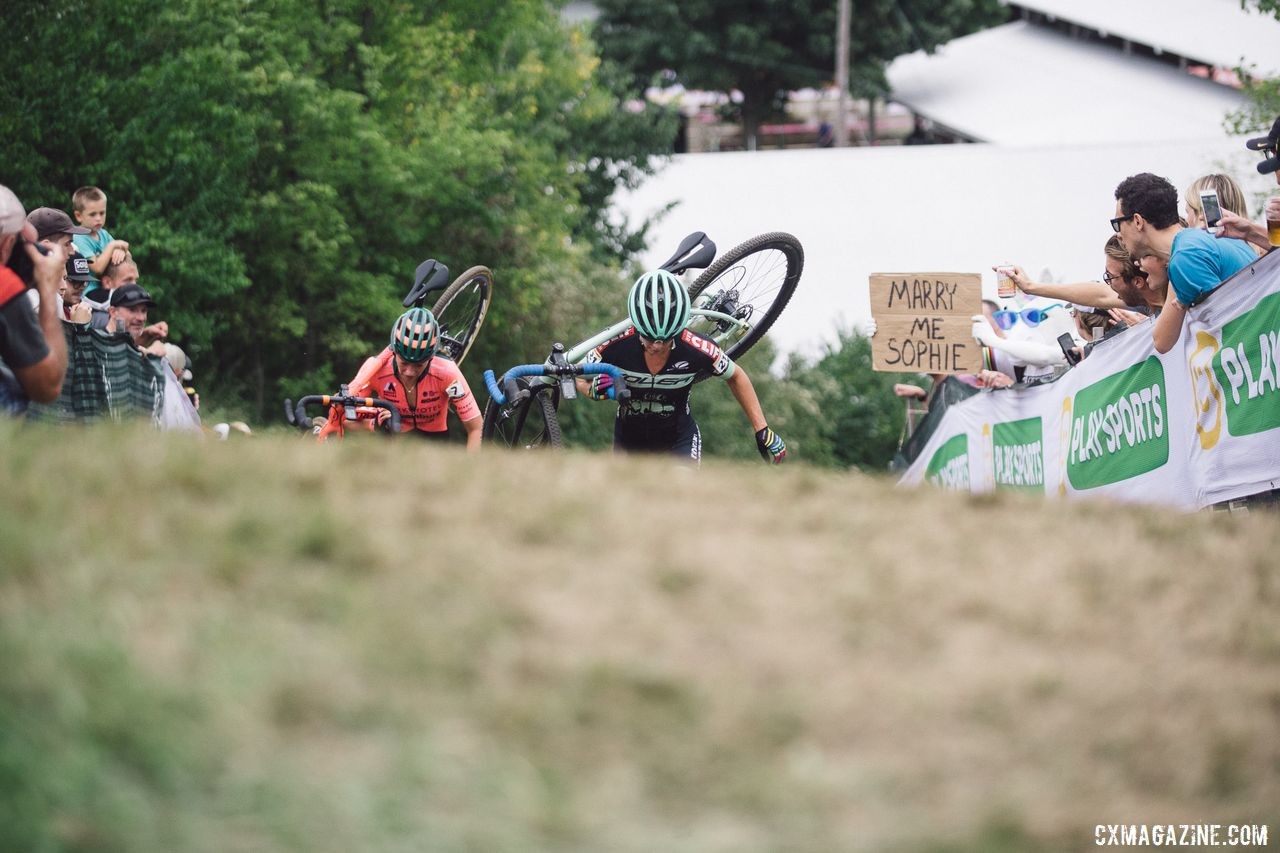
(1147, 222)
(89, 204)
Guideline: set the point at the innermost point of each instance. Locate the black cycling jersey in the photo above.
(656, 414)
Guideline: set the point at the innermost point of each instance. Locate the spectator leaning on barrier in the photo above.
(1147, 221)
(33, 350)
(128, 312)
(1124, 285)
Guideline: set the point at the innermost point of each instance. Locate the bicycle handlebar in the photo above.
(513, 393)
(299, 411)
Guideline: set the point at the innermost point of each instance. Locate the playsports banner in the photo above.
(1193, 427)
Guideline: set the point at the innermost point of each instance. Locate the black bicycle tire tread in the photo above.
(554, 435)
(452, 291)
(768, 240)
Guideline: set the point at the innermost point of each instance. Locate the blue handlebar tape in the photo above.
(614, 373)
(494, 391)
(520, 370)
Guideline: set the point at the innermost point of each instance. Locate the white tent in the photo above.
(1215, 32)
(1023, 84)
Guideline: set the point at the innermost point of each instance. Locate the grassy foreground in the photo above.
(265, 645)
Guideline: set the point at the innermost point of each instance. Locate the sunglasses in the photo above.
(1033, 317)
(1115, 223)
(645, 340)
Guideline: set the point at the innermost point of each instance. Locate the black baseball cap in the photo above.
(1271, 140)
(128, 295)
(78, 269)
(50, 220)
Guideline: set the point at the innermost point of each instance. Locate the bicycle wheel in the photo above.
(751, 282)
(460, 311)
(531, 424)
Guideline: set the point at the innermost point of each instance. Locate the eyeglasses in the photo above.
(1115, 223)
(1033, 317)
(645, 340)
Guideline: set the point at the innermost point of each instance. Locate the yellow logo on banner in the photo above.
(1064, 443)
(1205, 393)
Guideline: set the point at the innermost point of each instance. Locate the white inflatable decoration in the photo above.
(1035, 348)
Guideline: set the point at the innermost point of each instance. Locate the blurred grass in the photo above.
(269, 645)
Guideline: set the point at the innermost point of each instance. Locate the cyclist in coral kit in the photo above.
(421, 385)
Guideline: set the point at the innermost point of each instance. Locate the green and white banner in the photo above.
(1193, 427)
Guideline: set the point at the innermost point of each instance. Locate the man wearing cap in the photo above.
(1235, 225)
(74, 308)
(33, 349)
(54, 227)
(128, 312)
(115, 275)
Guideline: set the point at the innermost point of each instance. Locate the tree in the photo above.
(764, 47)
(280, 168)
(861, 419)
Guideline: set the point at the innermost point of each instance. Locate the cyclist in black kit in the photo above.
(661, 360)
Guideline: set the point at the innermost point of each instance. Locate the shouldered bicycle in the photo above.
(459, 311)
(735, 300)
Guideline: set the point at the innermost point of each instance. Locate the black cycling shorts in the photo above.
(683, 440)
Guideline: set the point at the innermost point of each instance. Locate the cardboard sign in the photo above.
(924, 322)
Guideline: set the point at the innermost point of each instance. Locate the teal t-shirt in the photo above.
(1200, 262)
(90, 248)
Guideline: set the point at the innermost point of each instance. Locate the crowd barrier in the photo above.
(106, 378)
(1196, 426)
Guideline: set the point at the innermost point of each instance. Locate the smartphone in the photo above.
(1209, 204)
(1068, 345)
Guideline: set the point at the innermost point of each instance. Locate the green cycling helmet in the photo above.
(415, 335)
(658, 305)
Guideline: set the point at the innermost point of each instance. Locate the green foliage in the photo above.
(1267, 7)
(862, 418)
(280, 168)
(763, 47)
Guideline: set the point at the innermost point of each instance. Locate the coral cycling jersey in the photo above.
(660, 401)
(439, 387)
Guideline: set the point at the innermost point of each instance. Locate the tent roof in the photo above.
(1182, 27)
(1021, 84)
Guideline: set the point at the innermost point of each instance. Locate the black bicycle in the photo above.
(461, 308)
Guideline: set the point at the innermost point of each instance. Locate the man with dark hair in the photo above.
(33, 349)
(1147, 222)
(54, 227)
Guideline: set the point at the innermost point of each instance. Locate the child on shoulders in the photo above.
(89, 204)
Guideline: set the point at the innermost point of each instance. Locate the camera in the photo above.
(20, 262)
